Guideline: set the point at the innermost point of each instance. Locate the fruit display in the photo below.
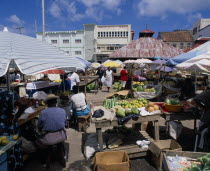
(14, 137)
(138, 103)
(117, 85)
(120, 112)
(109, 103)
(3, 141)
(136, 84)
(151, 107)
(174, 101)
(57, 81)
(142, 89)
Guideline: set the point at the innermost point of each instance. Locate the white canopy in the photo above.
(31, 55)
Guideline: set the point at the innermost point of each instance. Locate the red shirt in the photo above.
(123, 75)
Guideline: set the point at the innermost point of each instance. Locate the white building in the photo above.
(72, 42)
(200, 28)
(102, 40)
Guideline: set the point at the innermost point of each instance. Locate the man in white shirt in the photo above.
(74, 81)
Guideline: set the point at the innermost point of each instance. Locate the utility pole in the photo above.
(43, 22)
(19, 28)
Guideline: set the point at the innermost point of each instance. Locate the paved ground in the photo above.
(77, 162)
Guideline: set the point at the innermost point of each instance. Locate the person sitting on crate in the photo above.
(79, 105)
(52, 122)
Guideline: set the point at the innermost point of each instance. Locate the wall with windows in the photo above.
(72, 42)
(180, 45)
(198, 26)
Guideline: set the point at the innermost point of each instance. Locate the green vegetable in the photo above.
(194, 167)
(120, 113)
(127, 112)
(140, 88)
(134, 111)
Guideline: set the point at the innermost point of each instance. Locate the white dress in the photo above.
(108, 80)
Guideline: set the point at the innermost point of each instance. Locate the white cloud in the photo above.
(15, 20)
(162, 7)
(95, 9)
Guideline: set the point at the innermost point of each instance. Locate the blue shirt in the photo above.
(52, 119)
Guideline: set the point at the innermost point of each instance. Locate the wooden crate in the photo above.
(193, 155)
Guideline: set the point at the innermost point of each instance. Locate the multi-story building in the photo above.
(102, 40)
(201, 28)
(181, 39)
(72, 42)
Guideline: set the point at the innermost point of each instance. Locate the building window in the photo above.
(195, 31)
(78, 41)
(181, 45)
(107, 34)
(67, 51)
(126, 34)
(99, 35)
(78, 52)
(110, 48)
(112, 34)
(174, 45)
(115, 34)
(188, 45)
(98, 47)
(66, 41)
(54, 41)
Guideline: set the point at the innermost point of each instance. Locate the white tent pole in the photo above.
(43, 22)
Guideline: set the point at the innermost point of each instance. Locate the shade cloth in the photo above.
(31, 55)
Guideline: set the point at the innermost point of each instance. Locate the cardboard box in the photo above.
(111, 161)
(158, 147)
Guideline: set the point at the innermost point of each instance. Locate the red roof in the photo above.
(198, 42)
(147, 31)
(146, 47)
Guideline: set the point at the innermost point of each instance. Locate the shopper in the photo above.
(109, 78)
(100, 74)
(123, 77)
(74, 82)
(65, 84)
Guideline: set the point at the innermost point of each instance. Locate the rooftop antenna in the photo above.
(19, 28)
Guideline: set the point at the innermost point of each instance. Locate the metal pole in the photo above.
(8, 80)
(43, 22)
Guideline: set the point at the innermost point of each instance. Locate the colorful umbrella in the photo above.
(54, 71)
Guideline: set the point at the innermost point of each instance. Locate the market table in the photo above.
(132, 149)
(87, 80)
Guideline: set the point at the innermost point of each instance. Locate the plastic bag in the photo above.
(98, 113)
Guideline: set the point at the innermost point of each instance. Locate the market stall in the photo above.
(87, 80)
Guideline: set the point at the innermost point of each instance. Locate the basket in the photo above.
(173, 108)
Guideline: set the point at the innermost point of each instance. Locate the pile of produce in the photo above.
(174, 101)
(109, 103)
(92, 86)
(123, 130)
(142, 89)
(117, 85)
(57, 81)
(136, 84)
(3, 141)
(151, 107)
(138, 103)
(121, 112)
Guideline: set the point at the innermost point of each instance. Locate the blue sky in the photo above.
(63, 15)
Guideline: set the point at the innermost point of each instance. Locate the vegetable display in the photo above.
(151, 107)
(117, 85)
(92, 86)
(109, 103)
(174, 101)
(142, 89)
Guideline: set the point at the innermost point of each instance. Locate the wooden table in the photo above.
(87, 80)
(105, 123)
(31, 116)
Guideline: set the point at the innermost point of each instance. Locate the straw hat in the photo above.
(51, 96)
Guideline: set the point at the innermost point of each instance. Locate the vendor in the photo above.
(65, 84)
(45, 78)
(80, 107)
(203, 101)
